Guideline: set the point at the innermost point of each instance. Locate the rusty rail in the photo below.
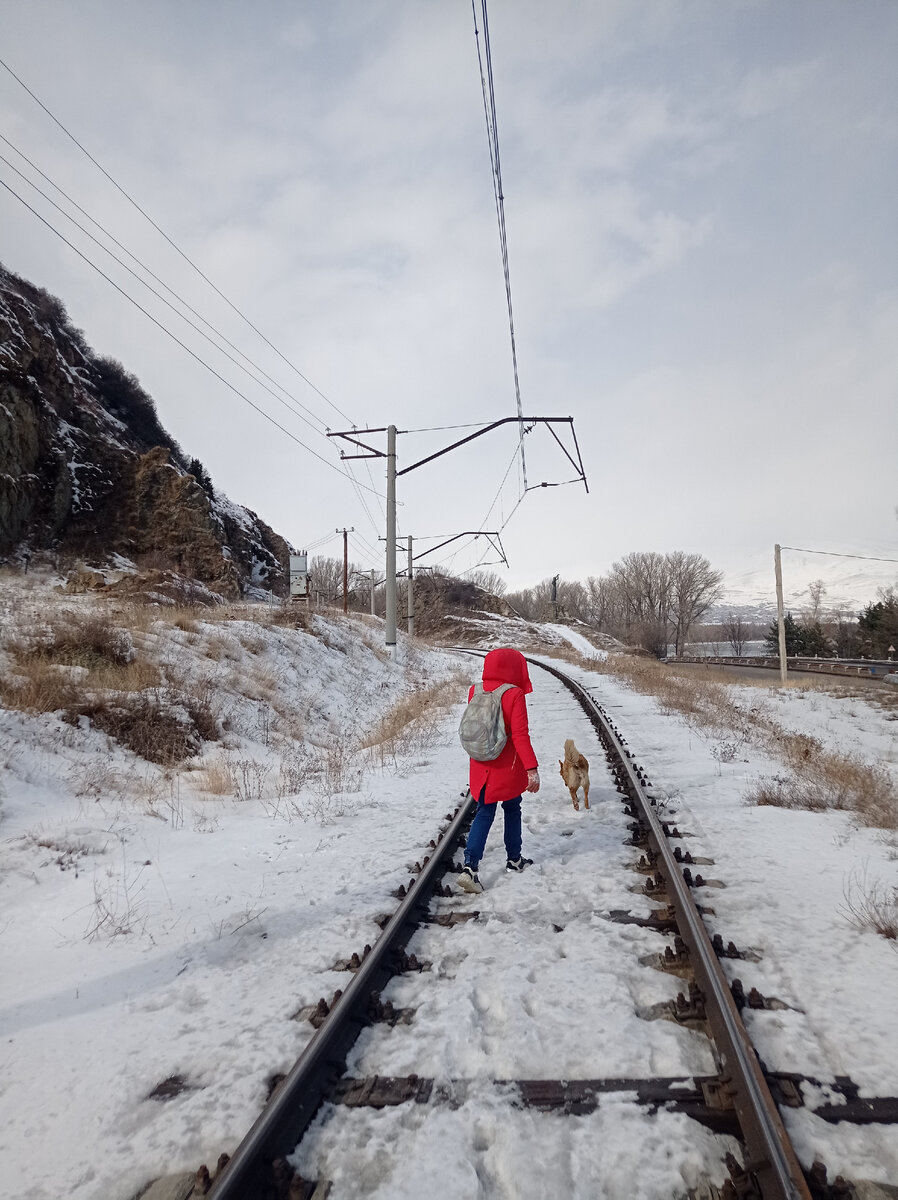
(290, 1110)
(771, 1160)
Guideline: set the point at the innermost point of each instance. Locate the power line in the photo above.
(141, 264)
(173, 244)
(177, 340)
(170, 306)
(836, 554)
(349, 475)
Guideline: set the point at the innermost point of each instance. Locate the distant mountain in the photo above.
(88, 472)
(849, 583)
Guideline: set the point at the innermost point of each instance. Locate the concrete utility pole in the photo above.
(780, 620)
(391, 536)
(411, 594)
(373, 577)
(353, 436)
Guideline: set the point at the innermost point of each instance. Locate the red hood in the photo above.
(507, 666)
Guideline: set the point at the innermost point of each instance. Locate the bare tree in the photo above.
(489, 581)
(524, 603)
(327, 579)
(816, 592)
(694, 586)
(738, 633)
(642, 583)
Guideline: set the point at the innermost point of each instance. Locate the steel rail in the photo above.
(289, 1112)
(771, 1157)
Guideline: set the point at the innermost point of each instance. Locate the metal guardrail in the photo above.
(823, 666)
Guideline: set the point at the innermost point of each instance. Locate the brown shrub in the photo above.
(215, 778)
(834, 782)
(146, 724)
(76, 639)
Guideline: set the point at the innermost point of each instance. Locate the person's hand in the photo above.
(533, 780)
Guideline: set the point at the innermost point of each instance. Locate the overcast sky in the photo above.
(701, 212)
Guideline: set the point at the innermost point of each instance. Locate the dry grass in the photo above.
(74, 639)
(414, 723)
(816, 778)
(39, 688)
(215, 778)
(262, 683)
(827, 781)
(872, 906)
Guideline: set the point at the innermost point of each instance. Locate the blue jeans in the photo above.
(481, 825)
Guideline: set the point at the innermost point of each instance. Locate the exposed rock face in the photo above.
(86, 469)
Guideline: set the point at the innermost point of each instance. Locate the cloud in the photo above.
(768, 90)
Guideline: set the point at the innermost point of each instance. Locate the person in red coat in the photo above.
(504, 779)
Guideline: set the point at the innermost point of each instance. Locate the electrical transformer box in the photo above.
(299, 576)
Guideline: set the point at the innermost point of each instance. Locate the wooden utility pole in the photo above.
(411, 594)
(373, 577)
(780, 619)
(346, 533)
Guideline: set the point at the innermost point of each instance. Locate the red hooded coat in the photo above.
(506, 776)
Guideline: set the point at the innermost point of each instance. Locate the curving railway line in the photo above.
(375, 1068)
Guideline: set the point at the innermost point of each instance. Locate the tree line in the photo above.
(648, 600)
(873, 634)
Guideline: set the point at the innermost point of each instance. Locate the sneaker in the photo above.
(469, 880)
(518, 864)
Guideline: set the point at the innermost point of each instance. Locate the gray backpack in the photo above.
(482, 727)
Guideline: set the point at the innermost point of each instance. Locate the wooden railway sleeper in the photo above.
(719, 1093)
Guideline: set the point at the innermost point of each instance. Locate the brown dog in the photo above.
(575, 773)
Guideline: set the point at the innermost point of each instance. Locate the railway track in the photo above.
(370, 1058)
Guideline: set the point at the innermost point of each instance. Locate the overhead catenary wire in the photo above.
(441, 428)
(349, 475)
(451, 557)
(178, 341)
(489, 108)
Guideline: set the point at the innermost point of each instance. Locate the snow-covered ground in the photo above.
(152, 926)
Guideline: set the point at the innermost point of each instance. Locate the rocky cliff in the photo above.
(87, 471)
